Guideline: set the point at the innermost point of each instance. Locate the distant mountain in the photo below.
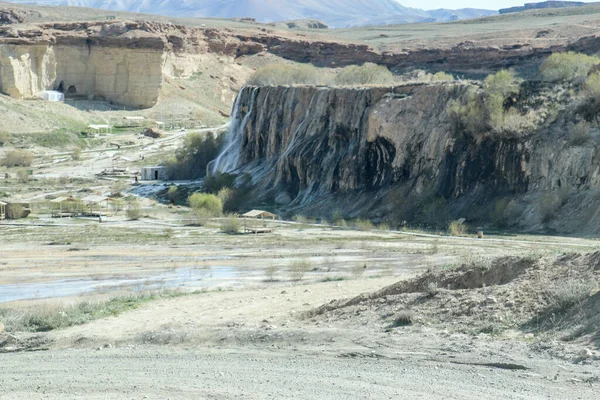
(543, 4)
(336, 13)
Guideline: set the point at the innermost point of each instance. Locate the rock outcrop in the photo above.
(542, 5)
(122, 62)
(126, 62)
(393, 153)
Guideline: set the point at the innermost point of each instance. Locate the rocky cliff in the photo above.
(393, 153)
(127, 62)
(123, 62)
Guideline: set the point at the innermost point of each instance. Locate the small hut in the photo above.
(2, 210)
(157, 173)
(250, 224)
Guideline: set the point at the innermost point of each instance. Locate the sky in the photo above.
(454, 4)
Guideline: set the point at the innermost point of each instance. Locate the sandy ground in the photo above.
(245, 336)
(255, 344)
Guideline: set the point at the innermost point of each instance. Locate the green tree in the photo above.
(192, 158)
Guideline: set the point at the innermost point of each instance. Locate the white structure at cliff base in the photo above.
(51, 95)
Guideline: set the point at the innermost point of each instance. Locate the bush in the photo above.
(486, 112)
(568, 293)
(14, 211)
(192, 158)
(133, 211)
(230, 225)
(456, 228)
(299, 268)
(364, 225)
(174, 195)
(503, 83)
(206, 203)
(17, 158)
(366, 74)
(5, 138)
(270, 273)
(567, 67)
(23, 175)
(590, 102)
(287, 75)
(76, 154)
(403, 318)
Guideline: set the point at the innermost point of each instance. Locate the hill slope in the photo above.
(337, 13)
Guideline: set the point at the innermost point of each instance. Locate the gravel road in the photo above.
(177, 373)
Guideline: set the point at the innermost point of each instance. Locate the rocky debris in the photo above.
(8, 17)
(1, 327)
(523, 297)
(8, 340)
(152, 133)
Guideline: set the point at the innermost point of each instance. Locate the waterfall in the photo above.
(229, 158)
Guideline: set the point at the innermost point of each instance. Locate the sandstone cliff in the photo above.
(123, 62)
(392, 153)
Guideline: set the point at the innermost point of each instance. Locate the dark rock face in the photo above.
(393, 153)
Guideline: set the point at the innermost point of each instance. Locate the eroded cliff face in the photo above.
(130, 77)
(123, 62)
(392, 153)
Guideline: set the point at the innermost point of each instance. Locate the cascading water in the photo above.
(229, 158)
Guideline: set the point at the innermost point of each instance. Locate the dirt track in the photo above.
(155, 373)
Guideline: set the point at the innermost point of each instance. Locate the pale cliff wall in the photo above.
(392, 153)
(123, 62)
(125, 76)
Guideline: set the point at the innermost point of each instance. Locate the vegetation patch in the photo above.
(54, 316)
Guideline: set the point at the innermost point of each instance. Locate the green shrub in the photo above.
(503, 83)
(287, 75)
(366, 74)
(590, 98)
(485, 111)
(567, 67)
(17, 158)
(206, 203)
(456, 228)
(133, 211)
(230, 225)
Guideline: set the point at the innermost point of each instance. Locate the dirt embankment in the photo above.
(542, 297)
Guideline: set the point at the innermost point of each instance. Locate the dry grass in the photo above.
(299, 269)
(54, 315)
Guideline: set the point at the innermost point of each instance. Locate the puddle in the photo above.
(186, 277)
